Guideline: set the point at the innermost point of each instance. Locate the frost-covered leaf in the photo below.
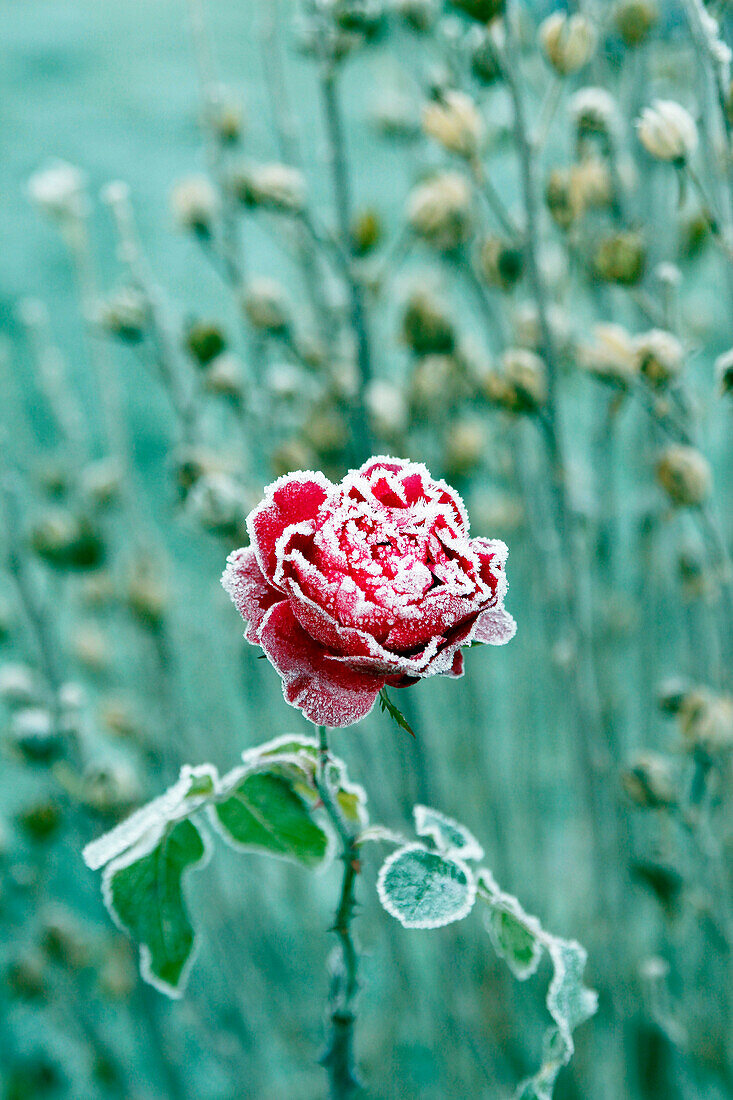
(515, 939)
(448, 835)
(350, 796)
(264, 812)
(424, 889)
(194, 787)
(569, 1002)
(520, 939)
(143, 892)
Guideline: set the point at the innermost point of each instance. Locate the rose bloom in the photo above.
(373, 582)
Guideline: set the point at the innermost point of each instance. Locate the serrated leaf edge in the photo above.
(471, 849)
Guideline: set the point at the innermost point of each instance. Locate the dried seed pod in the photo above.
(484, 11)
(464, 445)
(454, 121)
(621, 258)
(706, 719)
(612, 356)
(660, 356)
(724, 371)
(195, 205)
(667, 131)
(426, 326)
(265, 306)
(635, 20)
(278, 188)
(501, 263)
(439, 211)
(685, 475)
(593, 112)
(649, 781)
(568, 41)
(205, 340)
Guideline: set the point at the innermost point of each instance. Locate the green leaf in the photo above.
(303, 752)
(265, 813)
(194, 787)
(143, 891)
(448, 835)
(394, 712)
(515, 941)
(424, 889)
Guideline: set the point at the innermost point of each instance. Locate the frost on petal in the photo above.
(327, 692)
(250, 592)
(495, 627)
(291, 499)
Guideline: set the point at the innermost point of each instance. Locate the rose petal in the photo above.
(249, 590)
(495, 627)
(327, 692)
(291, 499)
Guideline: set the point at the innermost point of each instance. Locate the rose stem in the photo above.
(339, 1056)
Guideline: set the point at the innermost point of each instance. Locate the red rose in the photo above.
(374, 581)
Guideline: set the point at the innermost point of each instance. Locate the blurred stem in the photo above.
(339, 1056)
(342, 196)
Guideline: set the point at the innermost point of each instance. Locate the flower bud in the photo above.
(706, 719)
(481, 10)
(454, 121)
(660, 356)
(219, 503)
(327, 432)
(621, 258)
(18, 686)
(667, 131)
(568, 41)
(560, 198)
(593, 112)
(125, 315)
(146, 594)
(590, 184)
(396, 115)
(224, 376)
(204, 341)
(59, 190)
(100, 482)
(195, 205)
(426, 327)
(420, 15)
(90, 647)
(649, 781)
(265, 305)
(526, 375)
(64, 940)
(34, 734)
(612, 356)
(40, 821)
(464, 446)
(66, 541)
(111, 787)
(366, 232)
(501, 263)
(635, 19)
(293, 454)
(671, 695)
(387, 409)
(484, 60)
(685, 475)
(435, 381)
(724, 371)
(226, 118)
(439, 211)
(274, 187)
